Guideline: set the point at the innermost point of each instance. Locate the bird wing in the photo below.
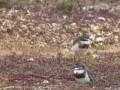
(92, 78)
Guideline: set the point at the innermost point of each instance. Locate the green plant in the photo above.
(3, 4)
(65, 5)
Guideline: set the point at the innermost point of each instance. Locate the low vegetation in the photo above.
(34, 33)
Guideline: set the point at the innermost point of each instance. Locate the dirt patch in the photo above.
(26, 70)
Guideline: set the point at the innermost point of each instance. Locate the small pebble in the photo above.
(31, 59)
(45, 82)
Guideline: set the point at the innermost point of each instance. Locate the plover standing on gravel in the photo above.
(82, 42)
(82, 75)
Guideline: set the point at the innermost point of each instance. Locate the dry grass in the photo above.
(44, 34)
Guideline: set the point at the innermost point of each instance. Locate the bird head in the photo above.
(79, 69)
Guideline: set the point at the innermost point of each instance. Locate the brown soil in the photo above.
(28, 70)
(34, 44)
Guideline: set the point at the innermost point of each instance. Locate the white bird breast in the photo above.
(86, 42)
(78, 71)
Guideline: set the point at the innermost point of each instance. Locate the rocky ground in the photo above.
(36, 41)
(38, 71)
